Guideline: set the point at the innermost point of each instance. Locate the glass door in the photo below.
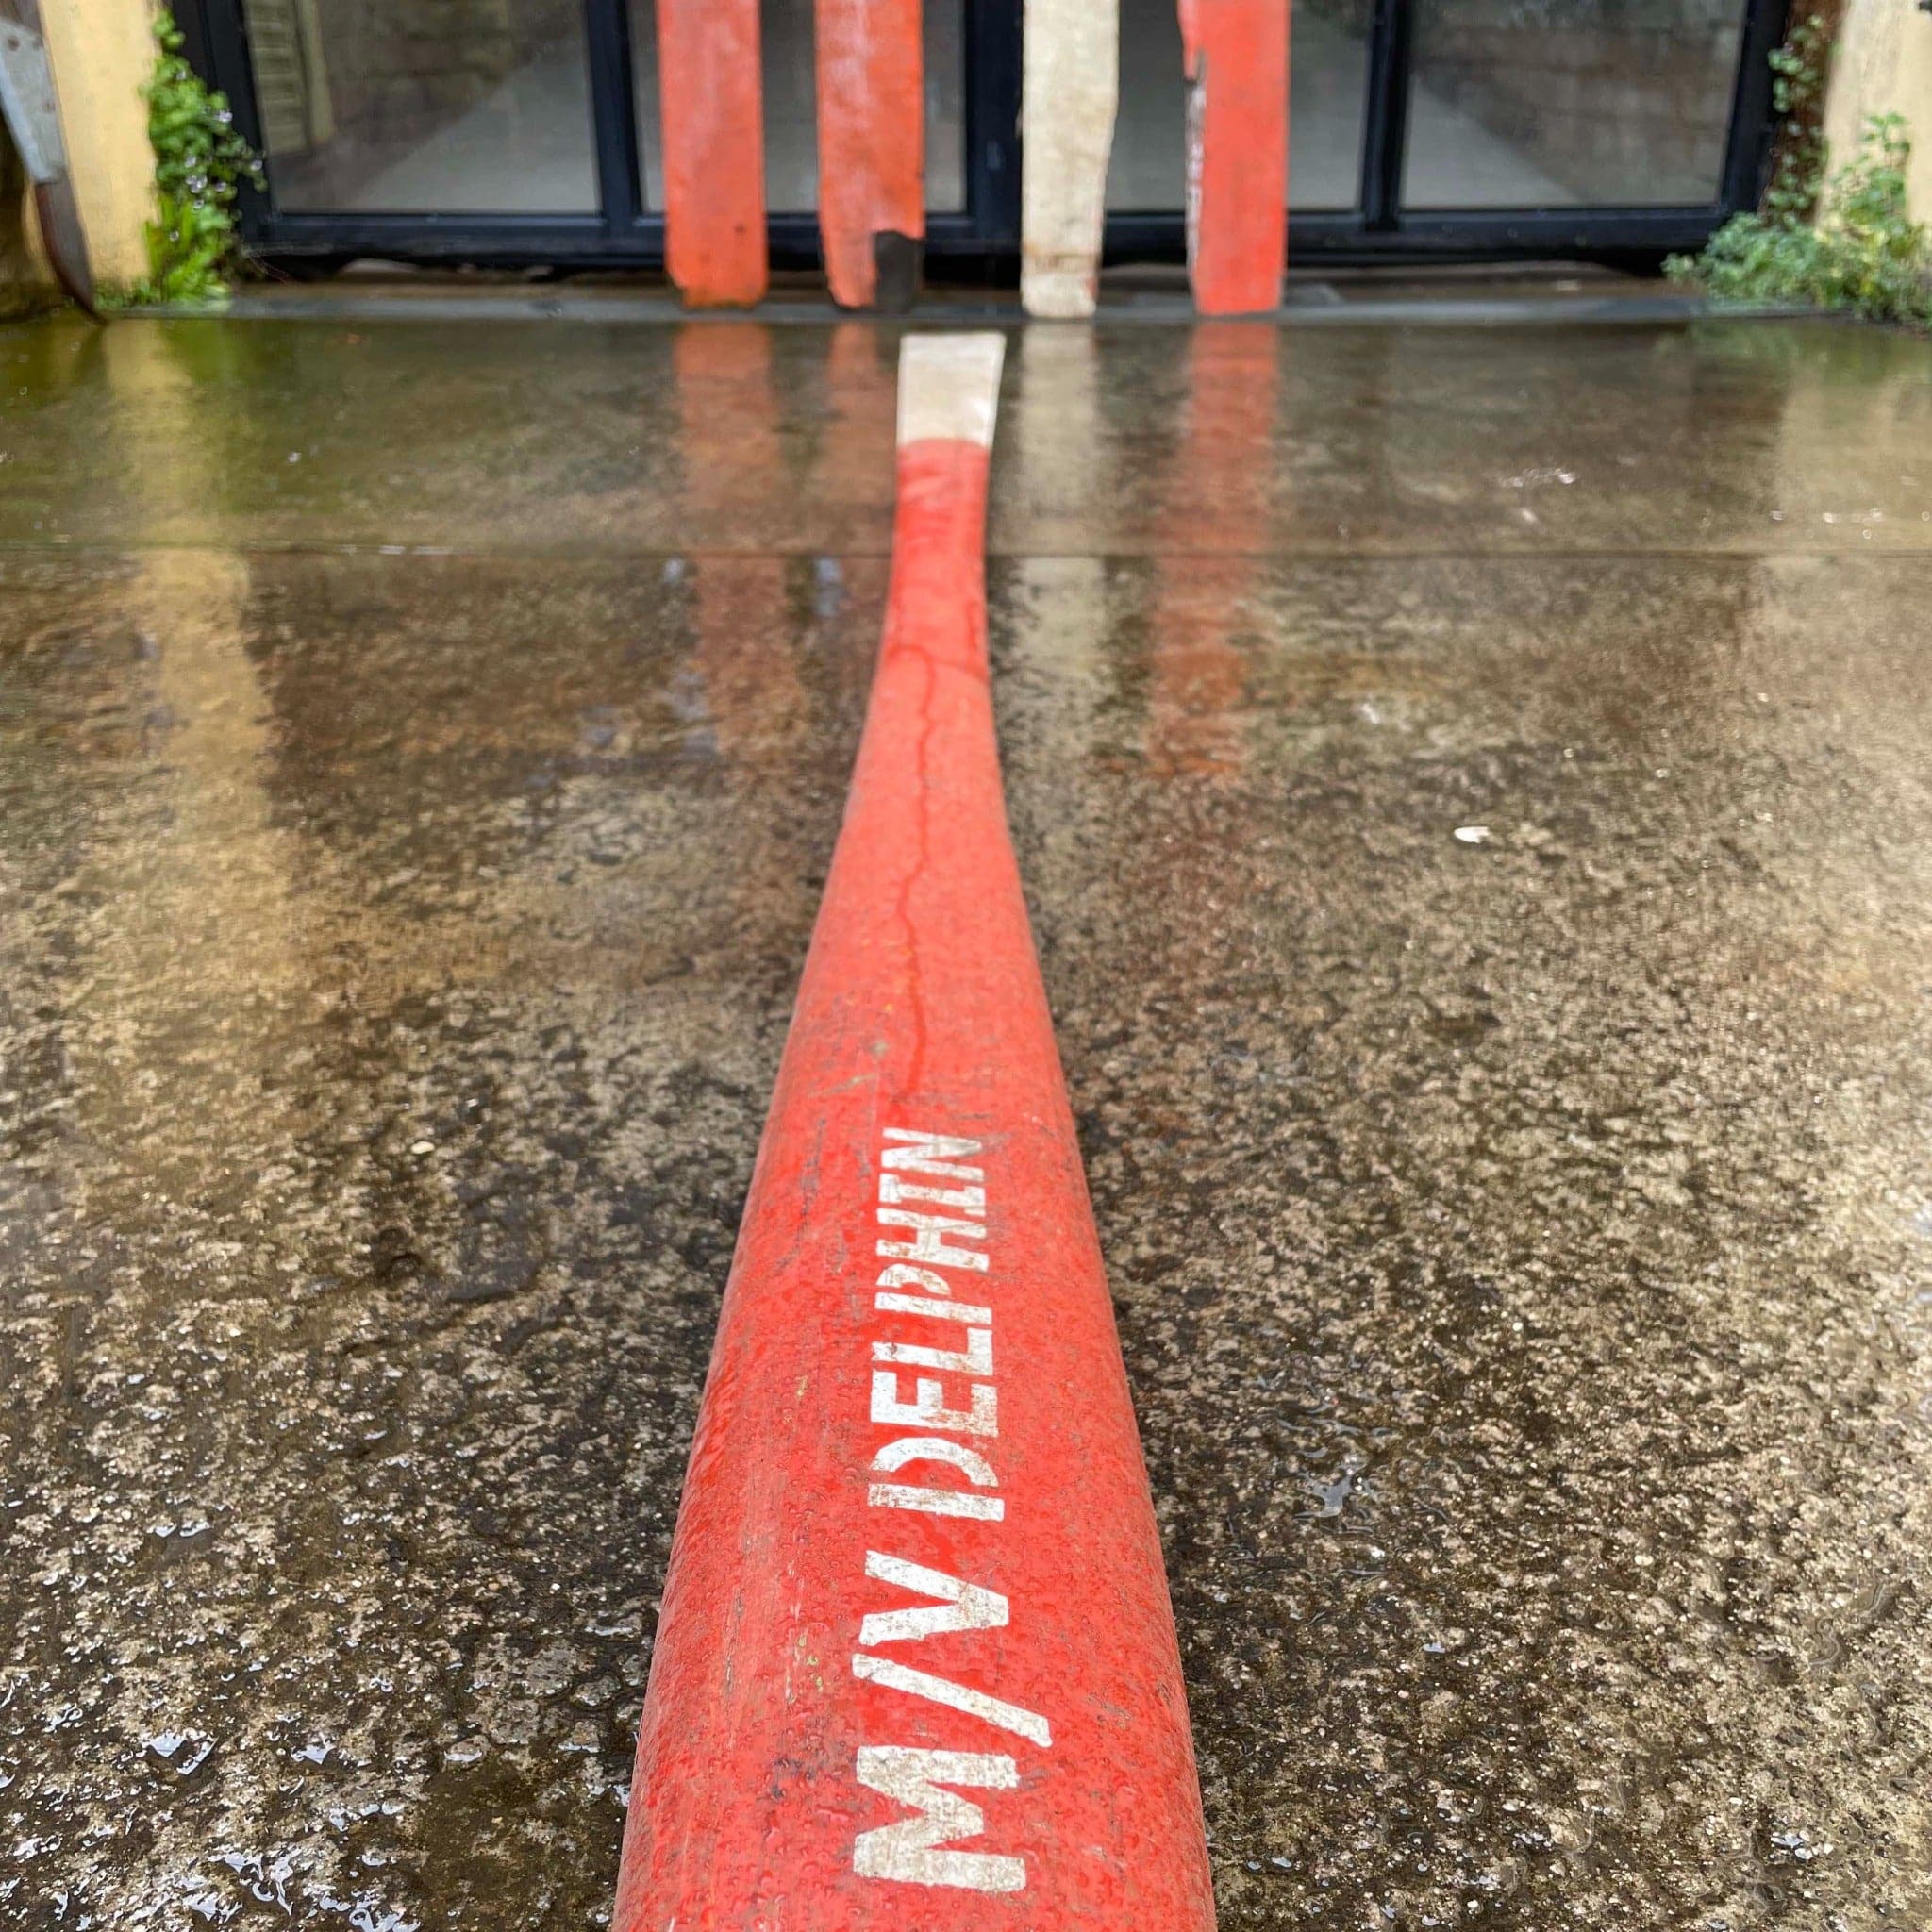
(527, 130)
(413, 106)
(1327, 104)
(521, 132)
(1593, 104)
(792, 106)
(1477, 129)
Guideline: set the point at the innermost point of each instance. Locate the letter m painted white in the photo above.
(915, 1848)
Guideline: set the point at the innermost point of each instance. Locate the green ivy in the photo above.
(1844, 241)
(200, 164)
(1797, 98)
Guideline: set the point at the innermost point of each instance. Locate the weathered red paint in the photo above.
(921, 1009)
(713, 112)
(871, 143)
(1235, 53)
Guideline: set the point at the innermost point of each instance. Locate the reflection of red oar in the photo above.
(916, 1664)
(33, 118)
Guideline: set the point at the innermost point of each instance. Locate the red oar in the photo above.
(872, 150)
(916, 1666)
(1236, 57)
(712, 106)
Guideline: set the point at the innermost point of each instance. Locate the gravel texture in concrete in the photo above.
(1475, 791)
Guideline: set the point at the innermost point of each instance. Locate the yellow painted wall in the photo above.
(103, 52)
(1882, 64)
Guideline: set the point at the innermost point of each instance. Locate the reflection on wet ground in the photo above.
(1475, 797)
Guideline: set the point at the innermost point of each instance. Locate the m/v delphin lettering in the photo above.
(931, 1211)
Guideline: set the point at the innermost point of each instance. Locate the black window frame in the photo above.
(982, 241)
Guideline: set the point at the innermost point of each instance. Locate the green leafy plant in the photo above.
(1862, 251)
(1844, 241)
(200, 164)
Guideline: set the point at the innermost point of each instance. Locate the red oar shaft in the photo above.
(916, 1667)
(1236, 56)
(711, 107)
(871, 149)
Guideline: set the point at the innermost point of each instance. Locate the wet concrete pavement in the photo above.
(1475, 791)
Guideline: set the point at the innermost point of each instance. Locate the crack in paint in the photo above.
(915, 990)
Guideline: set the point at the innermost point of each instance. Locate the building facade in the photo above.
(558, 132)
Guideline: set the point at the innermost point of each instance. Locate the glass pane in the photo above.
(1328, 97)
(426, 105)
(1569, 103)
(1328, 75)
(791, 164)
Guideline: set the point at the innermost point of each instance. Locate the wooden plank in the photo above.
(711, 102)
(872, 150)
(1069, 90)
(1235, 53)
